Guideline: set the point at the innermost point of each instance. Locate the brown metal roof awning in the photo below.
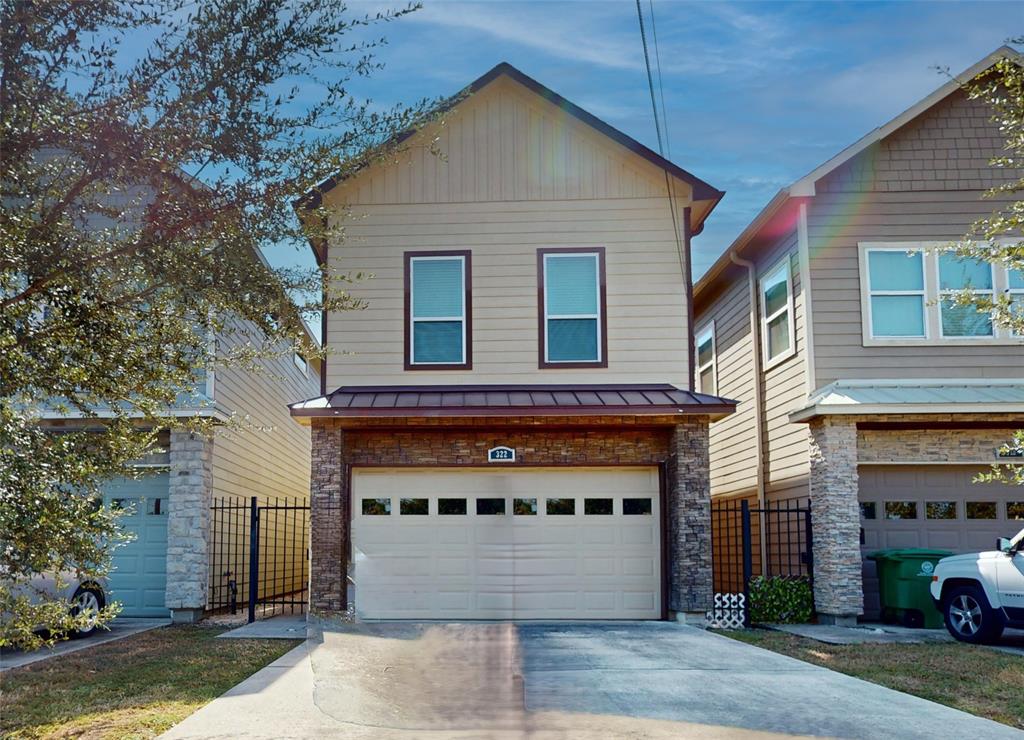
(661, 399)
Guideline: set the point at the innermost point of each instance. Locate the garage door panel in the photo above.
(524, 566)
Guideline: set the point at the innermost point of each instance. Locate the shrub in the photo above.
(779, 599)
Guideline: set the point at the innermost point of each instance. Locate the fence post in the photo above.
(809, 539)
(748, 565)
(254, 557)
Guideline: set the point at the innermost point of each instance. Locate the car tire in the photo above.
(969, 617)
(90, 598)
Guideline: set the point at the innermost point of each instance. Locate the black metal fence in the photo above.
(259, 555)
(770, 540)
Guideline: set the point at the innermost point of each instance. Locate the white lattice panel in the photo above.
(727, 612)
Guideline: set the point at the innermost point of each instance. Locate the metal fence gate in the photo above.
(259, 555)
(771, 540)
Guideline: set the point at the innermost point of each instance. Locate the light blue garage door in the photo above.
(139, 575)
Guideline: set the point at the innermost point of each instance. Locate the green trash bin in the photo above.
(904, 577)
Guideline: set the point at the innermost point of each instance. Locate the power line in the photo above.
(669, 191)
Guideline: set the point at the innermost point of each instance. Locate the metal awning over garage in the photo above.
(659, 399)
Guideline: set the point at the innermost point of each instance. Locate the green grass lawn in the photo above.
(974, 679)
(137, 687)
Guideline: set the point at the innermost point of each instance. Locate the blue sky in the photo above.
(757, 93)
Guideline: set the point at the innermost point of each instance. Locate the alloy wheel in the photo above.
(965, 615)
(88, 604)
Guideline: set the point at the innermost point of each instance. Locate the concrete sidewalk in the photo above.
(650, 680)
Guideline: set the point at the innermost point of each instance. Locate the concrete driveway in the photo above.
(638, 680)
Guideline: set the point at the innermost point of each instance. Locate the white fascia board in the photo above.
(208, 412)
(805, 186)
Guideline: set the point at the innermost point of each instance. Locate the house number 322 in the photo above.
(501, 454)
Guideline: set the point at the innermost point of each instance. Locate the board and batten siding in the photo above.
(783, 387)
(922, 183)
(268, 455)
(517, 175)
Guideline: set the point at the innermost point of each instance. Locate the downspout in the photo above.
(755, 335)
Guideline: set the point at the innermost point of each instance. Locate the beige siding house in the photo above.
(858, 389)
(509, 429)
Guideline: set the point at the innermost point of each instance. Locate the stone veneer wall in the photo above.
(931, 445)
(691, 583)
(188, 524)
(835, 518)
(338, 444)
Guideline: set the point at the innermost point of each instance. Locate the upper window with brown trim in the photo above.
(572, 307)
(438, 311)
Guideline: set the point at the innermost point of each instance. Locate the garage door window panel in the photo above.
(376, 507)
(636, 506)
(1015, 510)
(451, 506)
(490, 506)
(561, 507)
(901, 510)
(940, 510)
(524, 507)
(982, 510)
(572, 305)
(598, 507)
(438, 296)
(868, 510)
(414, 507)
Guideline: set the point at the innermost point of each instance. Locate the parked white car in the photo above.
(86, 596)
(982, 593)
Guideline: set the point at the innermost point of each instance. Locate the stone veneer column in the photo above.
(329, 523)
(188, 525)
(689, 515)
(835, 520)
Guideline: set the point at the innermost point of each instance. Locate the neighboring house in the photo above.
(510, 430)
(859, 389)
(166, 569)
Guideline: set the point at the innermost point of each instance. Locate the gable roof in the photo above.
(701, 189)
(805, 186)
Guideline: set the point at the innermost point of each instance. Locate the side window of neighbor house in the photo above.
(1015, 288)
(438, 327)
(896, 302)
(573, 311)
(957, 274)
(706, 370)
(777, 313)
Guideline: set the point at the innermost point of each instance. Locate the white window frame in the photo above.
(1015, 294)
(704, 331)
(301, 363)
(596, 256)
(412, 308)
(866, 277)
(1001, 335)
(942, 294)
(770, 362)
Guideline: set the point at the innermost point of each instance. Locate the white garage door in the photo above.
(567, 543)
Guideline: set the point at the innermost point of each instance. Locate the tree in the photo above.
(149, 151)
(997, 239)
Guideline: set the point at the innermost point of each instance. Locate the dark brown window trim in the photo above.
(542, 363)
(468, 258)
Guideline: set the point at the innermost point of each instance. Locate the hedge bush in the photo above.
(778, 599)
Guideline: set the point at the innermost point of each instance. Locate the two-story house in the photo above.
(859, 387)
(510, 429)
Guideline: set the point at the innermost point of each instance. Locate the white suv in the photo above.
(981, 593)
